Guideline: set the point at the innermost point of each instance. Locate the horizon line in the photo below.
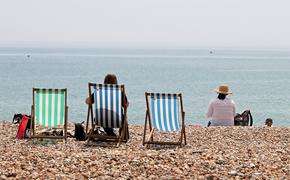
(59, 46)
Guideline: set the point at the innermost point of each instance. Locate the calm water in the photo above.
(259, 79)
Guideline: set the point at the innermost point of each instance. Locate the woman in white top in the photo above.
(222, 109)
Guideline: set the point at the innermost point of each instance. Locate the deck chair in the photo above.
(165, 112)
(107, 111)
(49, 110)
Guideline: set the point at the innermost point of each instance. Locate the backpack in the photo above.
(24, 125)
(80, 134)
(244, 119)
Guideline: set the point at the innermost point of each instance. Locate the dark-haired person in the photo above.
(109, 79)
(269, 122)
(222, 109)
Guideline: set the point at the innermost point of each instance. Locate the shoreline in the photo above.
(214, 152)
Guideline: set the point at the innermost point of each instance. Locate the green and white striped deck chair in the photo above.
(165, 113)
(49, 110)
(108, 111)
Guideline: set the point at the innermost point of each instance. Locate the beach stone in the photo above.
(236, 153)
(34, 174)
(257, 173)
(252, 165)
(221, 161)
(178, 170)
(241, 174)
(3, 177)
(164, 177)
(233, 173)
(11, 174)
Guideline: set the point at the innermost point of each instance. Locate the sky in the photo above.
(145, 23)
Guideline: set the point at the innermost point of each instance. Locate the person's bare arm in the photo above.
(90, 100)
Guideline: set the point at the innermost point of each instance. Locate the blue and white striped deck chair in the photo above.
(165, 113)
(49, 110)
(108, 111)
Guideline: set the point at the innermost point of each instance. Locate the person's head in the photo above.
(269, 122)
(223, 90)
(110, 79)
(221, 96)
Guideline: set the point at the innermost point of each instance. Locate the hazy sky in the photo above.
(173, 23)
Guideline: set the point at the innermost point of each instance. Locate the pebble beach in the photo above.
(210, 153)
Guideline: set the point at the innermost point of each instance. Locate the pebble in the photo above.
(3, 177)
(233, 173)
(252, 165)
(211, 153)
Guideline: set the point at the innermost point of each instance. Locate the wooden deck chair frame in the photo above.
(33, 120)
(151, 129)
(123, 132)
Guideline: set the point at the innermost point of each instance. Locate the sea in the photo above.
(258, 78)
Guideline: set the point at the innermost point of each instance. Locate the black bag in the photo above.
(17, 118)
(208, 124)
(244, 119)
(80, 134)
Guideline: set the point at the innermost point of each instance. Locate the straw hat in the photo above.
(223, 89)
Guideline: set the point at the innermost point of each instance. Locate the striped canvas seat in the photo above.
(109, 110)
(108, 105)
(164, 111)
(49, 109)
